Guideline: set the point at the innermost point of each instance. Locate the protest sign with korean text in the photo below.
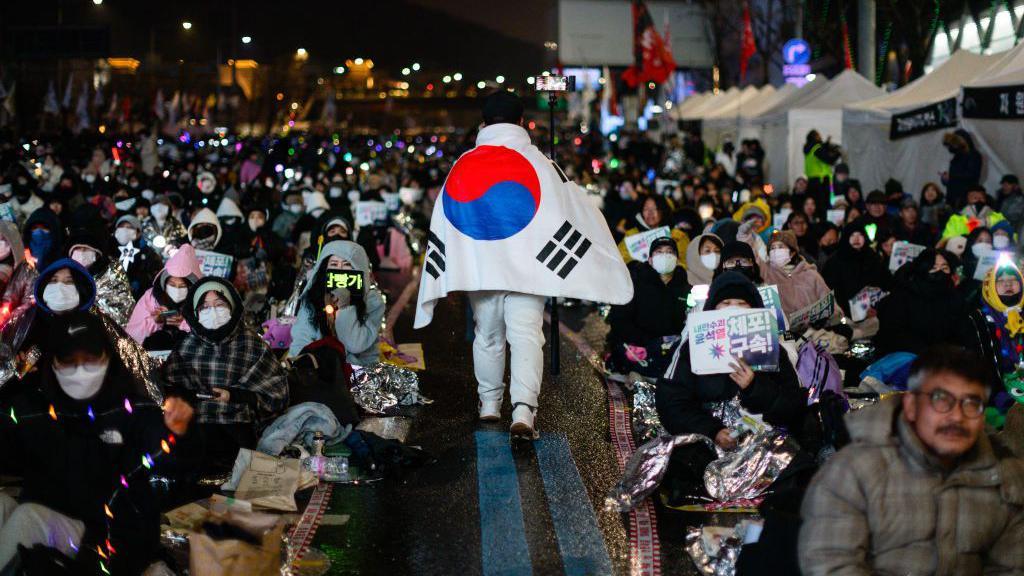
(818, 312)
(214, 263)
(370, 212)
(639, 245)
(717, 338)
(903, 252)
(864, 301)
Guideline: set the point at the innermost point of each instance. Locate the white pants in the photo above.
(30, 524)
(519, 320)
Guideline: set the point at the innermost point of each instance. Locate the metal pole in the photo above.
(866, 38)
(555, 343)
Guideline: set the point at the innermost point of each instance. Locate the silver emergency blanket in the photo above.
(291, 306)
(114, 295)
(645, 469)
(134, 356)
(381, 386)
(713, 549)
(403, 222)
(646, 423)
(745, 473)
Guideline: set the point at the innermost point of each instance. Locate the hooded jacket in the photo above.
(922, 311)
(232, 357)
(849, 271)
(142, 325)
(883, 505)
(48, 219)
(72, 465)
(83, 281)
(682, 398)
(361, 339)
(800, 285)
(143, 262)
(696, 272)
(1004, 319)
(205, 216)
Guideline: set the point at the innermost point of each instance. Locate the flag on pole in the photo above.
(509, 219)
(9, 100)
(50, 105)
(82, 109)
(747, 47)
(158, 104)
(66, 101)
(652, 57)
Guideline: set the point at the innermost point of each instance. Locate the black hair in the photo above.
(314, 301)
(949, 359)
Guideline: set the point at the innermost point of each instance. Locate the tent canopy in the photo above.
(914, 160)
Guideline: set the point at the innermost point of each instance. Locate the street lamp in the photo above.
(530, 80)
(446, 79)
(416, 66)
(186, 25)
(500, 79)
(301, 53)
(97, 2)
(339, 69)
(405, 71)
(481, 85)
(457, 76)
(246, 39)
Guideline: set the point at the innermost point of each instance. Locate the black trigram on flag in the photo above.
(435, 256)
(564, 251)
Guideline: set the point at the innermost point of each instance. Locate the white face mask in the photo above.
(89, 178)
(5, 249)
(125, 235)
(335, 192)
(125, 204)
(999, 242)
(148, 194)
(159, 211)
(176, 294)
(83, 381)
(61, 297)
(84, 256)
(353, 196)
(779, 257)
(981, 248)
(214, 317)
(254, 224)
(295, 208)
(663, 263)
(710, 261)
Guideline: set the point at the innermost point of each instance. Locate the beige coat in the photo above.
(882, 505)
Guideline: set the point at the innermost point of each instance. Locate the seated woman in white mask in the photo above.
(156, 321)
(231, 369)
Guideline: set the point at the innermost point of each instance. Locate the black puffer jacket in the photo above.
(681, 399)
(657, 309)
(849, 271)
(73, 464)
(923, 310)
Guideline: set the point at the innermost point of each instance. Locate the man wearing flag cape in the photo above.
(511, 230)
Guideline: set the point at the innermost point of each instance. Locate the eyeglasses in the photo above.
(737, 263)
(943, 402)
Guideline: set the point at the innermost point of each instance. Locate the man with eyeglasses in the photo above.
(921, 489)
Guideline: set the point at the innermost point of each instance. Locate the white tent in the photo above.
(690, 103)
(913, 160)
(728, 122)
(708, 105)
(818, 106)
(999, 141)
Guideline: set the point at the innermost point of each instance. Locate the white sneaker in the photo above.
(490, 410)
(522, 423)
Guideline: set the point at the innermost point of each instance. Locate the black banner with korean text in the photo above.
(925, 119)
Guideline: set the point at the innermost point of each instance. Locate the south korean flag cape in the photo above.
(508, 219)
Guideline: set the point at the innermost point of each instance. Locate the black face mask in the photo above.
(747, 271)
(1010, 299)
(939, 278)
(830, 249)
(979, 206)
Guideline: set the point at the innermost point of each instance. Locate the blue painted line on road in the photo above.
(504, 551)
(579, 539)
